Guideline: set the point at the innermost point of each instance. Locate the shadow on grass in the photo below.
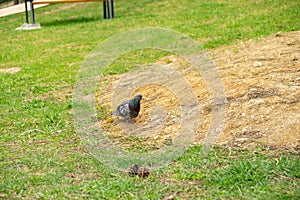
(63, 22)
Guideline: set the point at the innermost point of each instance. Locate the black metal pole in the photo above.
(109, 9)
(104, 9)
(32, 12)
(26, 12)
(112, 9)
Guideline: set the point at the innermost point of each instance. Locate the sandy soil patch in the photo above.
(11, 70)
(262, 83)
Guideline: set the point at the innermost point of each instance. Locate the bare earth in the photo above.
(262, 83)
(11, 70)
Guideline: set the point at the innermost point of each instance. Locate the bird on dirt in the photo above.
(130, 108)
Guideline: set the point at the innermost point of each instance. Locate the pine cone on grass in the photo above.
(136, 170)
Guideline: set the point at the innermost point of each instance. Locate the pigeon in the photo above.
(130, 108)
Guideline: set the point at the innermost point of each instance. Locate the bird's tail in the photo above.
(115, 113)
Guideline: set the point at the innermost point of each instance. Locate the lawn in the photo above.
(42, 156)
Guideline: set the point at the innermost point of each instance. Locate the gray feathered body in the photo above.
(130, 108)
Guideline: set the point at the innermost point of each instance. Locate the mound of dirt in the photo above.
(262, 82)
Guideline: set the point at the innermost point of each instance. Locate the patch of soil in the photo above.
(158, 128)
(6, 4)
(262, 83)
(11, 70)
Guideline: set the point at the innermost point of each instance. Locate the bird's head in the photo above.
(138, 97)
(136, 100)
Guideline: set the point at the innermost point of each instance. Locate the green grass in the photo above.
(41, 154)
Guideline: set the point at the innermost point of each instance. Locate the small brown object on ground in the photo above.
(136, 170)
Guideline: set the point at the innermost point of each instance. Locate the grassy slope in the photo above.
(41, 155)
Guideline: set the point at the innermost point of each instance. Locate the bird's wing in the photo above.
(123, 109)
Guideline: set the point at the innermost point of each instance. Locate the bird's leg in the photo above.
(129, 121)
